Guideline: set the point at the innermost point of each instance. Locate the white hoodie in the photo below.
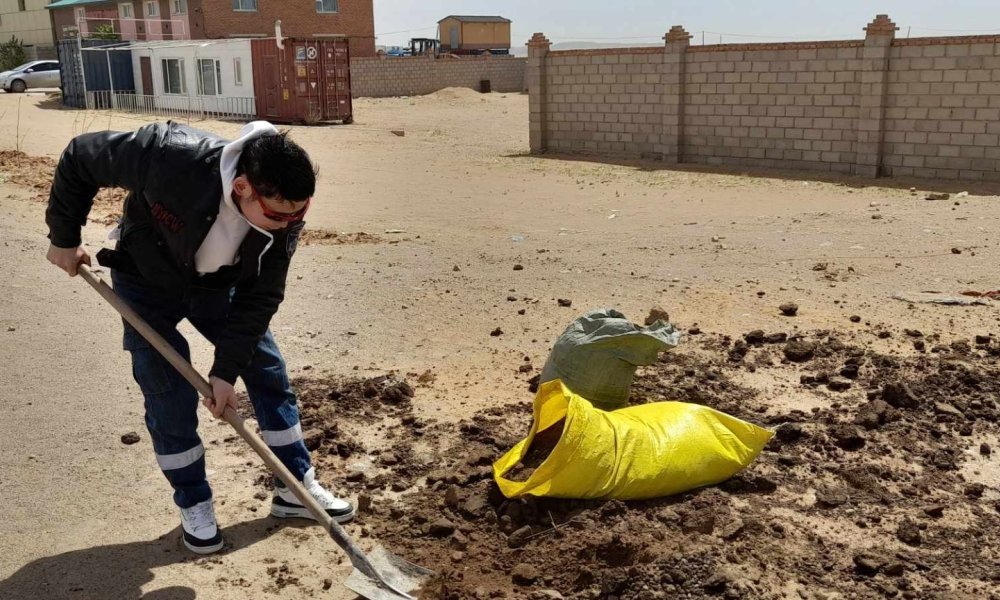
(222, 244)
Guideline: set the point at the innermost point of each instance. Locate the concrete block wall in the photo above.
(416, 75)
(926, 107)
(603, 102)
(772, 107)
(942, 114)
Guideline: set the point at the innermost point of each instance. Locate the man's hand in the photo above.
(68, 259)
(223, 395)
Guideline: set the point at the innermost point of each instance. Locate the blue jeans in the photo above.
(172, 402)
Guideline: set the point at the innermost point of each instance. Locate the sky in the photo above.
(732, 21)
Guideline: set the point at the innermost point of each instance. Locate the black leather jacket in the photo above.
(172, 174)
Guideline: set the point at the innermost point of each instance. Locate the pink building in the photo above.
(124, 20)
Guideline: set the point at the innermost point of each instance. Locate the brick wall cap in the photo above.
(882, 25)
(677, 34)
(539, 41)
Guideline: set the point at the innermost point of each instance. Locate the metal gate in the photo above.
(102, 70)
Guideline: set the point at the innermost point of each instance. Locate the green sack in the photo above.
(596, 357)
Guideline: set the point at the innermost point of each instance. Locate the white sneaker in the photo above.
(285, 504)
(201, 532)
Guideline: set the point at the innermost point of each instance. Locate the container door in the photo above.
(336, 81)
(308, 92)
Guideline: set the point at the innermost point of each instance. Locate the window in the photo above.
(180, 7)
(246, 5)
(153, 8)
(173, 76)
(125, 10)
(20, 5)
(209, 77)
(326, 6)
(237, 71)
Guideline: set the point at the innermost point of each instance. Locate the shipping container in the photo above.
(306, 81)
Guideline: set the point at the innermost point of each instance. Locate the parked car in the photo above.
(34, 74)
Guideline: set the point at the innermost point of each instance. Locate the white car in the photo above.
(34, 74)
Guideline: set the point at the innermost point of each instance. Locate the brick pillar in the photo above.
(874, 80)
(538, 48)
(672, 84)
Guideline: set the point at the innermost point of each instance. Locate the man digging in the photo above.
(207, 233)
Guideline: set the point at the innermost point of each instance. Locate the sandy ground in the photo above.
(89, 517)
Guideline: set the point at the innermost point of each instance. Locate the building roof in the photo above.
(68, 3)
(476, 19)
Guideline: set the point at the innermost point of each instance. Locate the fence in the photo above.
(187, 107)
(926, 107)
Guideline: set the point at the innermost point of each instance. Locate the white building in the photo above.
(207, 76)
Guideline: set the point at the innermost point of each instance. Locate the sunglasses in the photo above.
(282, 217)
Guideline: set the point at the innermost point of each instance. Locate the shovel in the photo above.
(380, 575)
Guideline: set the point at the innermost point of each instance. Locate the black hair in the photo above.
(277, 166)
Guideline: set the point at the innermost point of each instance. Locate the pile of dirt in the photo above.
(457, 94)
(36, 172)
(334, 238)
(886, 487)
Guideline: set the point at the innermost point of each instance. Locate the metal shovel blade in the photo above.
(399, 573)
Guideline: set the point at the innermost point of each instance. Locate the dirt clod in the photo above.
(799, 351)
(442, 528)
(908, 532)
(524, 574)
(656, 314)
(847, 437)
(874, 414)
(867, 564)
(831, 498)
(789, 309)
(130, 438)
(900, 395)
(839, 384)
(520, 537)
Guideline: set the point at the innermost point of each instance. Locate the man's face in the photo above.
(263, 212)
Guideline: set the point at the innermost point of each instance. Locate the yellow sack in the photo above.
(632, 453)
